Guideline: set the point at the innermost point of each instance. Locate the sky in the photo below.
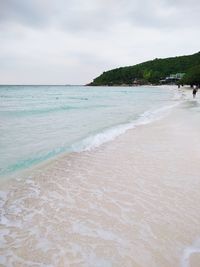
(74, 41)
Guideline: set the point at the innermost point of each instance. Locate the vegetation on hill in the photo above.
(150, 72)
(192, 77)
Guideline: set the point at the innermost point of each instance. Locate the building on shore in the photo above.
(172, 78)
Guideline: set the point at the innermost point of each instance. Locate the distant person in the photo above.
(194, 92)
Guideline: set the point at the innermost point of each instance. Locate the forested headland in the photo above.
(153, 72)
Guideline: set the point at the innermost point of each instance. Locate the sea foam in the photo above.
(110, 134)
(188, 252)
(39, 123)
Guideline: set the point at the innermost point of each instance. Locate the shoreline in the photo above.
(132, 201)
(91, 142)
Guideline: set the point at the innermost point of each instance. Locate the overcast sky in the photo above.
(73, 41)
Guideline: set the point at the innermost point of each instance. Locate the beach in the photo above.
(133, 201)
(99, 133)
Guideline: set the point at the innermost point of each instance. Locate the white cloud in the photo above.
(73, 41)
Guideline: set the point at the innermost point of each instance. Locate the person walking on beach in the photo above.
(194, 92)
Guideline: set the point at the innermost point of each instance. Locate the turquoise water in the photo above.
(40, 122)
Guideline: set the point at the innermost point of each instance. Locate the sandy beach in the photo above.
(131, 202)
(99, 133)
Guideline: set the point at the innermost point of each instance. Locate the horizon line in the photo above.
(42, 84)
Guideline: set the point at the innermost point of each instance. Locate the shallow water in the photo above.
(40, 122)
(132, 202)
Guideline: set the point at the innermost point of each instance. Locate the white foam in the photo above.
(188, 251)
(110, 134)
(92, 259)
(83, 229)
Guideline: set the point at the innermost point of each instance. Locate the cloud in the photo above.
(72, 41)
(89, 15)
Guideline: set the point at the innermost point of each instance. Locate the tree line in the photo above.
(151, 72)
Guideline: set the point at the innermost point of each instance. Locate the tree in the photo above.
(192, 77)
(150, 71)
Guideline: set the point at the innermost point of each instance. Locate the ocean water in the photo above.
(132, 202)
(39, 122)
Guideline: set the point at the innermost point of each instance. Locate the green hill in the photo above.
(148, 72)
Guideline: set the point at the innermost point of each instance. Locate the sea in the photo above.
(99, 176)
(37, 123)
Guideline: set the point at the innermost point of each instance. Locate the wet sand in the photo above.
(131, 202)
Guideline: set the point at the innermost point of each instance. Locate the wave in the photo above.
(110, 134)
(22, 164)
(31, 112)
(93, 141)
(37, 111)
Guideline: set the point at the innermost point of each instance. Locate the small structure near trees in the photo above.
(172, 78)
